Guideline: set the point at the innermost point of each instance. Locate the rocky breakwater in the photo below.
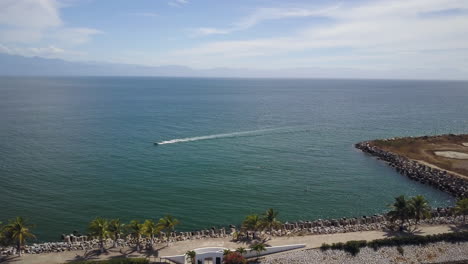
(440, 179)
(439, 216)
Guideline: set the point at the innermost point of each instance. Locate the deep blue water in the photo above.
(72, 149)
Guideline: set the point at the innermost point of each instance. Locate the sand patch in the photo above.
(465, 144)
(452, 154)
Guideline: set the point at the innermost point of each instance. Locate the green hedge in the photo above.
(353, 247)
(114, 261)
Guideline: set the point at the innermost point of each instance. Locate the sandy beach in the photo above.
(311, 241)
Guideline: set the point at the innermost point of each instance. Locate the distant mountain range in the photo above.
(15, 65)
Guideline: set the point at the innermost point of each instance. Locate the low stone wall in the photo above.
(414, 170)
(344, 225)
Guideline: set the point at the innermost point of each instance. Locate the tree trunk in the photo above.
(101, 241)
(19, 248)
(115, 239)
(138, 243)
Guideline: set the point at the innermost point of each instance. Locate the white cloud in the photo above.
(203, 31)
(30, 13)
(75, 36)
(20, 35)
(265, 14)
(177, 3)
(50, 50)
(45, 52)
(144, 14)
(32, 21)
(386, 33)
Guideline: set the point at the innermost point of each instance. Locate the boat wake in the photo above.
(227, 135)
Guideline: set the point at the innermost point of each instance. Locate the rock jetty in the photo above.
(440, 179)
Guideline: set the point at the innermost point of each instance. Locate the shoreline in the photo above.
(455, 185)
(180, 247)
(420, 171)
(376, 223)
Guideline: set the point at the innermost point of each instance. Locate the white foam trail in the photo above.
(227, 135)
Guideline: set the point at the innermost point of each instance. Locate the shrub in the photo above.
(419, 240)
(353, 247)
(338, 246)
(400, 250)
(234, 258)
(325, 247)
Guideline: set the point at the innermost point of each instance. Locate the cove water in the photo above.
(72, 149)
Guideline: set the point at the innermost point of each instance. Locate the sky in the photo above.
(420, 36)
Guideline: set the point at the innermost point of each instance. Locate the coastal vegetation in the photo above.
(151, 229)
(403, 209)
(191, 254)
(269, 220)
(461, 208)
(234, 258)
(420, 208)
(258, 248)
(241, 250)
(99, 227)
(135, 230)
(168, 224)
(116, 229)
(16, 232)
(353, 247)
(255, 222)
(403, 212)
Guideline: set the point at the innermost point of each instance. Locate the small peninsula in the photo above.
(441, 161)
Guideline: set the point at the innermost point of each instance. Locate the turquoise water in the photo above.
(72, 149)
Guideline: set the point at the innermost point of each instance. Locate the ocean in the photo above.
(75, 148)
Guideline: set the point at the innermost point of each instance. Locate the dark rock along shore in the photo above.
(440, 179)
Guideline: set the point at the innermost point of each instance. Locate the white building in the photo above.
(214, 255)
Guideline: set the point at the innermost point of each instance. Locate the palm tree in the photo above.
(419, 208)
(258, 248)
(400, 210)
(191, 255)
(17, 231)
(136, 230)
(241, 250)
(1, 234)
(252, 223)
(99, 227)
(269, 220)
(461, 208)
(5, 239)
(150, 229)
(116, 228)
(226, 251)
(168, 224)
